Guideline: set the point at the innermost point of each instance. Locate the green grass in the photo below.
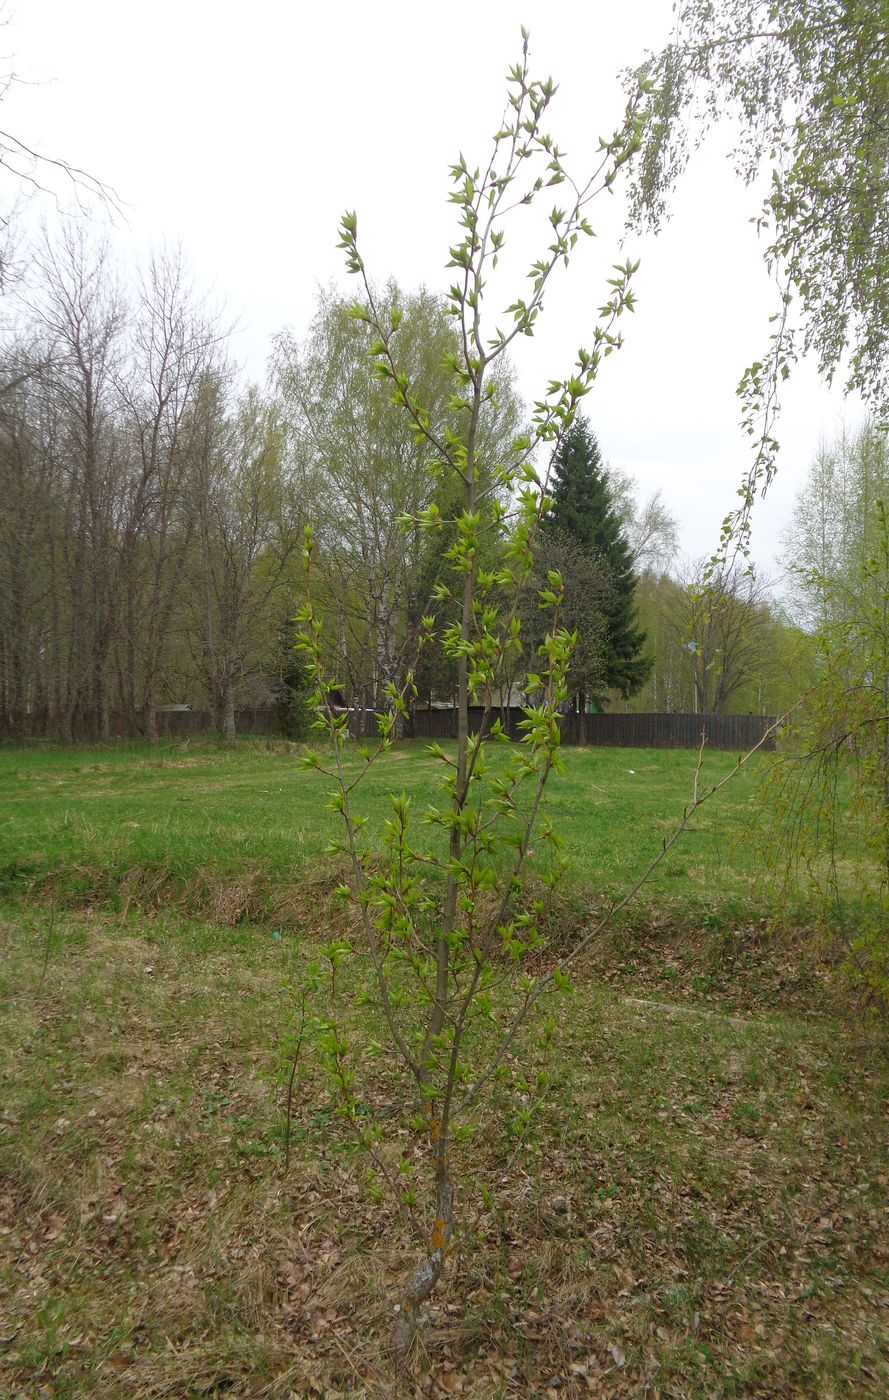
(697, 1208)
(85, 820)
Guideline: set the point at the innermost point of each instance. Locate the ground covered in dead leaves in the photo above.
(697, 1210)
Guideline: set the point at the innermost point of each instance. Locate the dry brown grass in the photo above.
(698, 1211)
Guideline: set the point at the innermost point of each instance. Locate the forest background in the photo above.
(199, 621)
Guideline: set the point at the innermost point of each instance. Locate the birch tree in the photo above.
(364, 469)
(433, 951)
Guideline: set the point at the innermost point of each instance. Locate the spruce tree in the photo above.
(584, 515)
(292, 687)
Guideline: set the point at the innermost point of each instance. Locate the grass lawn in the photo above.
(697, 1208)
(120, 821)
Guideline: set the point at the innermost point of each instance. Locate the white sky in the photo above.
(244, 131)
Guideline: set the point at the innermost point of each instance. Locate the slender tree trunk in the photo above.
(103, 717)
(150, 710)
(214, 700)
(67, 725)
(425, 1276)
(228, 703)
(128, 679)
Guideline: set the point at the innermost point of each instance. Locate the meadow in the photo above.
(99, 823)
(697, 1207)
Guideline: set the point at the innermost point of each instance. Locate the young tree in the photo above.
(584, 512)
(436, 918)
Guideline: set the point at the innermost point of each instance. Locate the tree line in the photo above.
(148, 517)
(154, 508)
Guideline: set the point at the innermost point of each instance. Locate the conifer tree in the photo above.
(584, 514)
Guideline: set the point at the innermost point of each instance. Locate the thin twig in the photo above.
(290, 1082)
(47, 947)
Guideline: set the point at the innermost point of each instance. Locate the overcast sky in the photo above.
(244, 131)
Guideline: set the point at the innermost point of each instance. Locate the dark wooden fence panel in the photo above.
(184, 724)
(644, 731)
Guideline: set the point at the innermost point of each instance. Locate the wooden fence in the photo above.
(184, 724)
(644, 731)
